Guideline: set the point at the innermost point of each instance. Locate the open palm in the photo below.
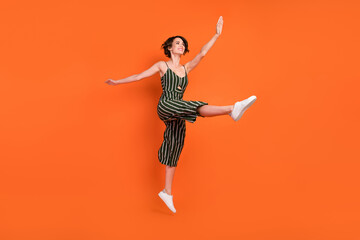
(219, 25)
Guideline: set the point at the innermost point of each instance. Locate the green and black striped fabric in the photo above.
(173, 111)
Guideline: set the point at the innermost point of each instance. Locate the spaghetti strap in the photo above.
(170, 68)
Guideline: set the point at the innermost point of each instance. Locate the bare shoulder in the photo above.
(156, 67)
(186, 65)
(189, 66)
(162, 67)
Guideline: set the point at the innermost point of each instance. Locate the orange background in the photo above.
(79, 157)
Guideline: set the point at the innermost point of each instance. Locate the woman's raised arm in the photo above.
(194, 62)
(136, 77)
(208, 45)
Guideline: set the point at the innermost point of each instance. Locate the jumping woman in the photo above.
(173, 110)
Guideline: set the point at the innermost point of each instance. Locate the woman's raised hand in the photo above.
(219, 25)
(111, 82)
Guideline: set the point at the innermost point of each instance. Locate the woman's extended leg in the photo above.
(234, 111)
(169, 176)
(211, 110)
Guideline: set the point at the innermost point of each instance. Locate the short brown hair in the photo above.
(168, 43)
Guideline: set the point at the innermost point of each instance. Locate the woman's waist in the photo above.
(170, 98)
(175, 90)
(172, 94)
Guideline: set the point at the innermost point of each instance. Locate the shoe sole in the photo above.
(253, 98)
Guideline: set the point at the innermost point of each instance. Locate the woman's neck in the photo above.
(175, 60)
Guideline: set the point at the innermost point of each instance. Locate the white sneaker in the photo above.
(168, 200)
(240, 107)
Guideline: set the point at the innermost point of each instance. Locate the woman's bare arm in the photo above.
(194, 62)
(208, 45)
(136, 77)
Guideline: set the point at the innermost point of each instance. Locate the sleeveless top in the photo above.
(173, 86)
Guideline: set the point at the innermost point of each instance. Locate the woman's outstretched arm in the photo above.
(194, 62)
(136, 77)
(208, 45)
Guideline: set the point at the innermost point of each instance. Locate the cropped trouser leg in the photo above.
(173, 143)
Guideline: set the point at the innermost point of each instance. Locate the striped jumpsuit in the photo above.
(173, 111)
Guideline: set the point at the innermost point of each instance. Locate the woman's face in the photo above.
(178, 46)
